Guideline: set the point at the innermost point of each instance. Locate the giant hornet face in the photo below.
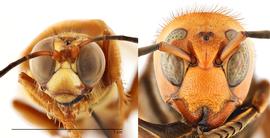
(203, 67)
(207, 89)
(72, 75)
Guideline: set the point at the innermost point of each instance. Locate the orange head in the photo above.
(207, 90)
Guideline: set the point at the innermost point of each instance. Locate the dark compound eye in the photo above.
(177, 34)
(172, 68)
(43, 67)
(91, 64)
(230, 34)
(238, 64)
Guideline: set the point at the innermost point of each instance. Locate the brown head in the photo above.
(205, 90)
(73, 70)
(73, 60)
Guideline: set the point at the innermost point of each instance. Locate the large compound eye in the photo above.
(43, 67)
(91, 64)
(177, 34)
(172, 68)
(238, 65)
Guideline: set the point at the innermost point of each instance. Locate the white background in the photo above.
(22, 20)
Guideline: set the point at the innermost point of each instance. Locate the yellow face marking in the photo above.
(64, 85)
(58, 44)
(74, 66)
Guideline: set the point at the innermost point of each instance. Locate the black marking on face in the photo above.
(76, 100)
(206, 35)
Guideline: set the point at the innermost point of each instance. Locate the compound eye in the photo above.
(177, 34)
(172, 68)
(43, 67)
(238, 66)
(91, 64)
(230, 34)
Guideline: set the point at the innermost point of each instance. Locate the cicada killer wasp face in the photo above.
(68, 62)
(68, 69)
(73, 71)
